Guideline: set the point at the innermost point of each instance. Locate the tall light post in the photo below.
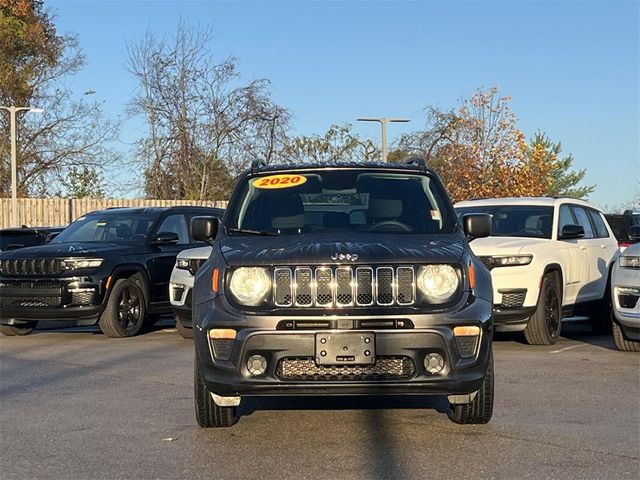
(383, 122)
(14, 158)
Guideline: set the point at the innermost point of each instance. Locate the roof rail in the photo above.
(256, 164)
(420, 162)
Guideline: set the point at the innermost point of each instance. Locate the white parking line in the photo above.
(566, 348)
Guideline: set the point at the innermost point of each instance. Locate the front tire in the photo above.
(125, 312)
(208, 414)
(18, 330)
(545, 324)
(622, 343)
(185, 332)
(480, 410)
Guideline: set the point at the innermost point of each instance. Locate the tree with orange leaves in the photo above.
(479, 152)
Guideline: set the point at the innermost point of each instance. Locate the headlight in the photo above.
(438, 282)
(182, 263)
(250, 285)
(511, 260)
(629, 262)
(80, 263)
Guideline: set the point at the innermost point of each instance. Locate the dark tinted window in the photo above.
(115, 227)
(17, 239)
(598, 222)
(583, 220)
(515, 220)
(342, 201)
(565, 217)
(176, 224)
(620, 225)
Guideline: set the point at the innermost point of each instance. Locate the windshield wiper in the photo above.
(249, 232)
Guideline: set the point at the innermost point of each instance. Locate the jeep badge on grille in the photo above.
(344, 256)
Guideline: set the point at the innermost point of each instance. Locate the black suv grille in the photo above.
(344, 286)
(385, 368)
(31, 267)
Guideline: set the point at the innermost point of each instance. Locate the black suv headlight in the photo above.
(81, 263)
(438, 283)
(190, 264)
(250, 285)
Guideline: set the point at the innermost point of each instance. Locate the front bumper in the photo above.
(23, 299)
(260, 335)
(180, 286)
(511, 319)
(625, 295)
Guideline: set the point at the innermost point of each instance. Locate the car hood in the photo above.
(200, 253)
(504, 245)
(370, 248)
(73, 249)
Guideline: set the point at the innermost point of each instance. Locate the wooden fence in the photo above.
(49, 212)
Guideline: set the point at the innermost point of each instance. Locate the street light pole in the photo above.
(14, 158)
(383, 123)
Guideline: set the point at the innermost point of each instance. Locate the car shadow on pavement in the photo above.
(70, 326)
(576, 330)
(377, 432)
(580, 331)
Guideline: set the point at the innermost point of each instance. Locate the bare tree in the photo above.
(204, 125)
(338, 144)
(72, 132)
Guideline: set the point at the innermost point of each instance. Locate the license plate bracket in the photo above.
(352, 348)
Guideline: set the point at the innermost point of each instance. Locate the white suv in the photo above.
(549, 258)
(181, 283)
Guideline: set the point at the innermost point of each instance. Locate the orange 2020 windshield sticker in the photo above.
(279, 181)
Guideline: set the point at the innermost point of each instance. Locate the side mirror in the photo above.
(50, 237)
(476, 225)
(204, 229)
(634, 234)
(571, 232)
(165, 238)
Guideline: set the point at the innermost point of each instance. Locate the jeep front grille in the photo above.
(385, 368)
(31, 267)
(344, 286)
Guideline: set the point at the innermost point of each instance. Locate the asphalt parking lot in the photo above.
(76, 404)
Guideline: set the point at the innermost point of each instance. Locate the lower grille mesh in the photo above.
(627, 300)
(385, 368)
(29, 301)
(513, 300)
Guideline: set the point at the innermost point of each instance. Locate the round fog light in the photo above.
(434, 363)
(256, 365)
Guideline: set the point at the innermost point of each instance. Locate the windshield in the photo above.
(340, 201)
(107, 227)
(515, 220)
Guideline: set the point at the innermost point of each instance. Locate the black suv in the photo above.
(342, 279)
(111, 266)
(621, 223)
(20, 237)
